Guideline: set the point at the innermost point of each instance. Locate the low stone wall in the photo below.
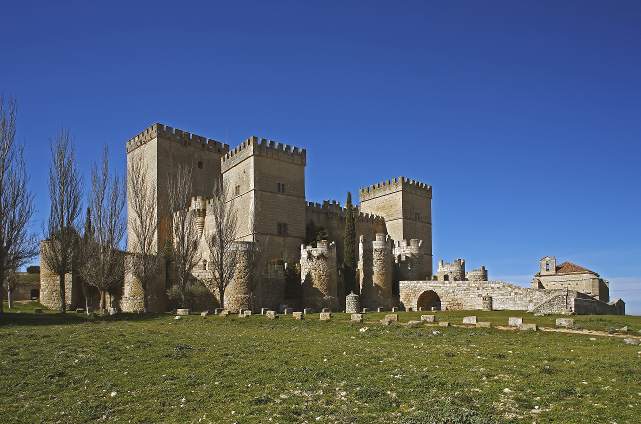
(587, 305)
(471, 294)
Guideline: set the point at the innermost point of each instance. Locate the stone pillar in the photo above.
(382, 272)
(352, 303)
(319, 275)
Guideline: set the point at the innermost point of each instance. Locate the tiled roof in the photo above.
(568, 267)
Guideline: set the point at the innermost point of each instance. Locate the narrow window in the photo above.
(547, 266)
(237, 190)
(282, 229)
(280, 187)
(200, 164)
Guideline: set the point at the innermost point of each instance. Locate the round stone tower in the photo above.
(411, 260)
(238, 294)
(382, 273)
(50, 284)
(199, 205)
(319, 275)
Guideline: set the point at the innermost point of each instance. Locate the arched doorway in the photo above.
(428, 301)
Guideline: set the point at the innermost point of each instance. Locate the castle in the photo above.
(393, 221)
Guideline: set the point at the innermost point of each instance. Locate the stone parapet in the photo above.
(186, 138)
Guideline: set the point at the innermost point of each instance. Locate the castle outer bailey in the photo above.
(289, 249)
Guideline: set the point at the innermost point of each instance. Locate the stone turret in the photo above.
(199, 205)
(454, 271)
(479, 274)
(376, 272)
(319, 275)
(238, 294)
(411, 260)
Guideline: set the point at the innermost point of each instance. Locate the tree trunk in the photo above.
(9, 293)
(63, 301)
(1, 292)
(103, 301)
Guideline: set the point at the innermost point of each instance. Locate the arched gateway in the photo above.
(428, 301)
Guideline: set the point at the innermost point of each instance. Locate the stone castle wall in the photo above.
(319, 276)
(375, 272)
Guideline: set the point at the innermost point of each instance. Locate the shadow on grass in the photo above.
(70, 318)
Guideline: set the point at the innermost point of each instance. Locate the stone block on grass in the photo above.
(204, 314)
(413, 324)
(484, 324)
(514, 321)
(182, 311)
(325, 316)
(528, 327)
(271, 314)
(565, 322)
(357, 317)
(298, 315)
(443, 324)
(391, 317)
(308, 311)
(429, 318)
(471, 320)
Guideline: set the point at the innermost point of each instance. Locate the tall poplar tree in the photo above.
(349, 248)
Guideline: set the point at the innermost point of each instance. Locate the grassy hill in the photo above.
(157, 369)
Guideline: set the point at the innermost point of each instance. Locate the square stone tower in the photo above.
(266, 182)
(406, 206)
(163, 149)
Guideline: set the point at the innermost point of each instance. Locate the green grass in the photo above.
(57, 368)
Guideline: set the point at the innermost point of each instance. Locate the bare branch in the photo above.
(65, 193)
(17, 244)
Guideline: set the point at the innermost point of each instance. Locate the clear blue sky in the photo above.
(525, 116)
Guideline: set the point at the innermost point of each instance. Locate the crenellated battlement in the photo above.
(333, 207)
(186, 138)
(198, 203)
(323, 248)
(394, 185)
(254, 146)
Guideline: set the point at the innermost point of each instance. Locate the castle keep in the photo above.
(290, 249)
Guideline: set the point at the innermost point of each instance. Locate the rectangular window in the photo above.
(237, 190)
(282, 229)
(280, 187)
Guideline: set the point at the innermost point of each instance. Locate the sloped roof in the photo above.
(568, 267)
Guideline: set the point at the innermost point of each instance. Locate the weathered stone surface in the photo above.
(271, 314)
(217, 311)
(528, 327)
(325, 316)
(391, 317)
(204, 314)
(394, 309)
(308, 311)
(386, 322)
(565, 322)
(325, 310)
(247, 313)
(319, 275)
(298, 315)
(471, 320)
(357, 317)
(365, 310)
(352, 303)
(288, 311)
(484, 324)
(413, 323)
(223, 313)
(429, 318)
(444, 324)
(514, 321)
(632, 341)
(182, 312)
(112, 311)
(379, 309)
(263, 310)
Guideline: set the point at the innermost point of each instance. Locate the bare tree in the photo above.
(143, 225)
(220, 237)
(65, 194)
(185, 233)
(103, 264)
(17, 244)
